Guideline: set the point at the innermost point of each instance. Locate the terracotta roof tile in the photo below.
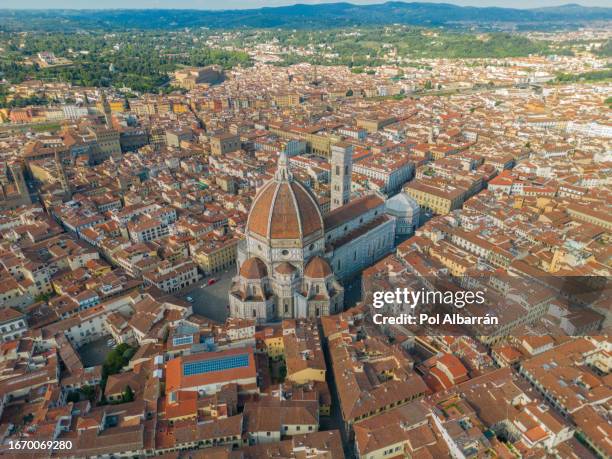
(284, 210)
(317, 268)
(253, 268)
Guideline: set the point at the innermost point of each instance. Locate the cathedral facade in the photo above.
(285, 261)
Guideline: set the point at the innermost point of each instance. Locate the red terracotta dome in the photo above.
(284, 208)
(253, 268)
(317, 268)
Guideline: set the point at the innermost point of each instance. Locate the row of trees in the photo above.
(598, 75)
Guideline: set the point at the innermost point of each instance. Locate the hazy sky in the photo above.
(237, 4)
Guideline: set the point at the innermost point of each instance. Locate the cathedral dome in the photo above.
(317, 268)
(284, 208)
(253, 268)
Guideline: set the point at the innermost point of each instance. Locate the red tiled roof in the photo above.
(175, 379)
(284, 210)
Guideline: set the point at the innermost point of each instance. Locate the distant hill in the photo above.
(308, 16)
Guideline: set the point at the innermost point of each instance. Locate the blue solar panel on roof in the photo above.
(180, 340)
(219, 364)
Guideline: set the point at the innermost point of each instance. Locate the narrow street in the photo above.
(334, 421)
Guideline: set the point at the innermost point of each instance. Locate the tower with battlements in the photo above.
(61, 174)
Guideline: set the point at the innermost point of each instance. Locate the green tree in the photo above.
(128, 395)
(44, 297)
(598, 75)
(116, 360)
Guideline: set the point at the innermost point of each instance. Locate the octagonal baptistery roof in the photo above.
(402, 205)
(284, 208)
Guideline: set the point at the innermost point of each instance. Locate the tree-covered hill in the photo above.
(306, 16)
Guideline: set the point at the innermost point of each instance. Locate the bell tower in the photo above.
(108, 116)
(341, 171)
(61, 174)
(17, 174)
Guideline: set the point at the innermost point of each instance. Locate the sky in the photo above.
(242, 4)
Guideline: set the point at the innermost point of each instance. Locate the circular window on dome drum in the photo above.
(311, 247)
(285, 252)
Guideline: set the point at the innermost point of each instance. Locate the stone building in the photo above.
(285, 261)
(342, 168)
(14, 194)
(407, 213)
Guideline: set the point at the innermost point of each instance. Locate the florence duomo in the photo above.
(281, 272)
(293, 257)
